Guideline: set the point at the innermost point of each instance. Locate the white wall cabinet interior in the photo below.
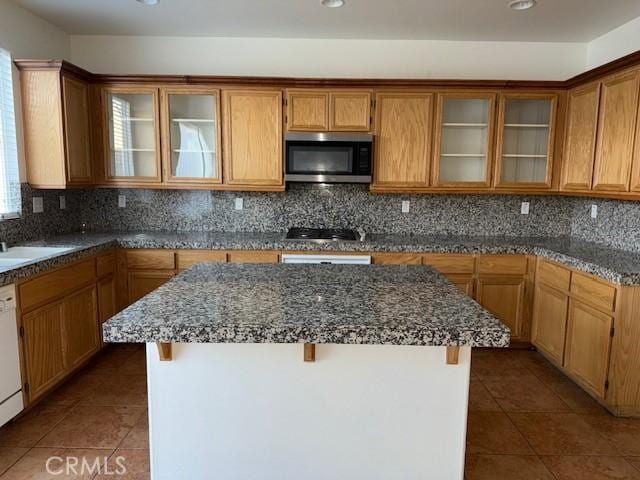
(192, 153)
(525, 140)
(464, 131)
(133, 138)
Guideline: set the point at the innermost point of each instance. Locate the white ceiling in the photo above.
(549, 21)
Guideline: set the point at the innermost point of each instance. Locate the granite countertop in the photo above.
(343, 304)
(616, 266)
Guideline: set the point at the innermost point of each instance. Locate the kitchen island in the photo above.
(379, 390)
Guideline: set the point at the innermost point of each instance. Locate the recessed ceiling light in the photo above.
(149, 2)
(522, 4)
(332, 3)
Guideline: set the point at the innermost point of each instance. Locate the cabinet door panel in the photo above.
(106, 299)
(463, 142)
(504, 297)
(465, 283)
(580, 137)
(44, 348)
(143, 282)
(616, 129)
(403, 139)
(76, 132)
(253, 137)
(550, 322)
(349, 111)
(253, 257)
(396, 259)
(132, 136)
(307, 110)
(81, 326)
(588, 346)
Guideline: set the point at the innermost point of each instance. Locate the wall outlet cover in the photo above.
(122, 201)
(406, 206)
(594, 211)
(63, 202)
(38, 205)
(524, 208)
(239, 204)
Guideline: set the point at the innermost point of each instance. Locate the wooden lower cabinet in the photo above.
(140, 283)
(466, 283)
(588, 346)
(503, 295)
(43, 346)
(549, 326)
(253, 257)
(81, 326)
(106, 298)
(396, 259)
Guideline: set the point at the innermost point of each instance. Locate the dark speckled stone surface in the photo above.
(344, 304)
(617, 266)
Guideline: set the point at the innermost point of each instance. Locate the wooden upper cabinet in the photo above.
(56, 127)
(525, 143)
(131, 134)
(616, 130)
(308, 110)
(350, 111)
(580, 137)
(463, 139)
(191, 135)
(403, 139)
(252, 133)
(328, 110)
(635, 171)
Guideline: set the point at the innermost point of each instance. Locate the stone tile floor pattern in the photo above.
(527, 421)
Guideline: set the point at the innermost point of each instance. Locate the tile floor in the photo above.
(527, 421)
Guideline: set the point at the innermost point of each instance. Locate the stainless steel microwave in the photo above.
(328, 157)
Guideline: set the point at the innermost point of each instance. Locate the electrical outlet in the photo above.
(406, 205)
(239, 204)
(524, 208)
(122, 201)
(38, 205)
(594, 211)
(63, 202)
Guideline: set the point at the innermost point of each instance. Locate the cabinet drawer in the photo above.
(55, 284)
(254, 257)
(150, 260)
(593, 291)
(554, 275)
(188, 258)
(450, 263)
(397, 259)
(502, 264)
(106, 264)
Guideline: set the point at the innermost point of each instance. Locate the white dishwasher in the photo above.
(10, 380)
(327, 259)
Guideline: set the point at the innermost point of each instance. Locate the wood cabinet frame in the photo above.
(292, 120)
(491, 96)
(502, 104)
(165, 129)
(110, 177)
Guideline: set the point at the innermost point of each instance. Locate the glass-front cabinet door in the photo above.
(464, 130)
(133, 139)
(525, 140)
(191, 135)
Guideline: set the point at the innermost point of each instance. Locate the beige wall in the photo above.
(615, 44)
(328, 58)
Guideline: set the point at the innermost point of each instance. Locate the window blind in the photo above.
(10, 202)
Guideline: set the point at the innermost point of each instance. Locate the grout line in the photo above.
(17, 460)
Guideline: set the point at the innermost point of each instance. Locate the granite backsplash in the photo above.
(349, 206)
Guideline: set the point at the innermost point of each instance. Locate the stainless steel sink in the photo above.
(17, 255)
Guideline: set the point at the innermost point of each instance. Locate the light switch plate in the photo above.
(63, 202)
(524, 208)
(38, 205)
(122, 201)
(594, 211)
(406, 206)
(239, 204)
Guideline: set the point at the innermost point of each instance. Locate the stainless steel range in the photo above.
(323, 234)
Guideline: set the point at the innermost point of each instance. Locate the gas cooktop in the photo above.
(322, 234)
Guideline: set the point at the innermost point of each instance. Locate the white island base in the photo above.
(259, 412)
